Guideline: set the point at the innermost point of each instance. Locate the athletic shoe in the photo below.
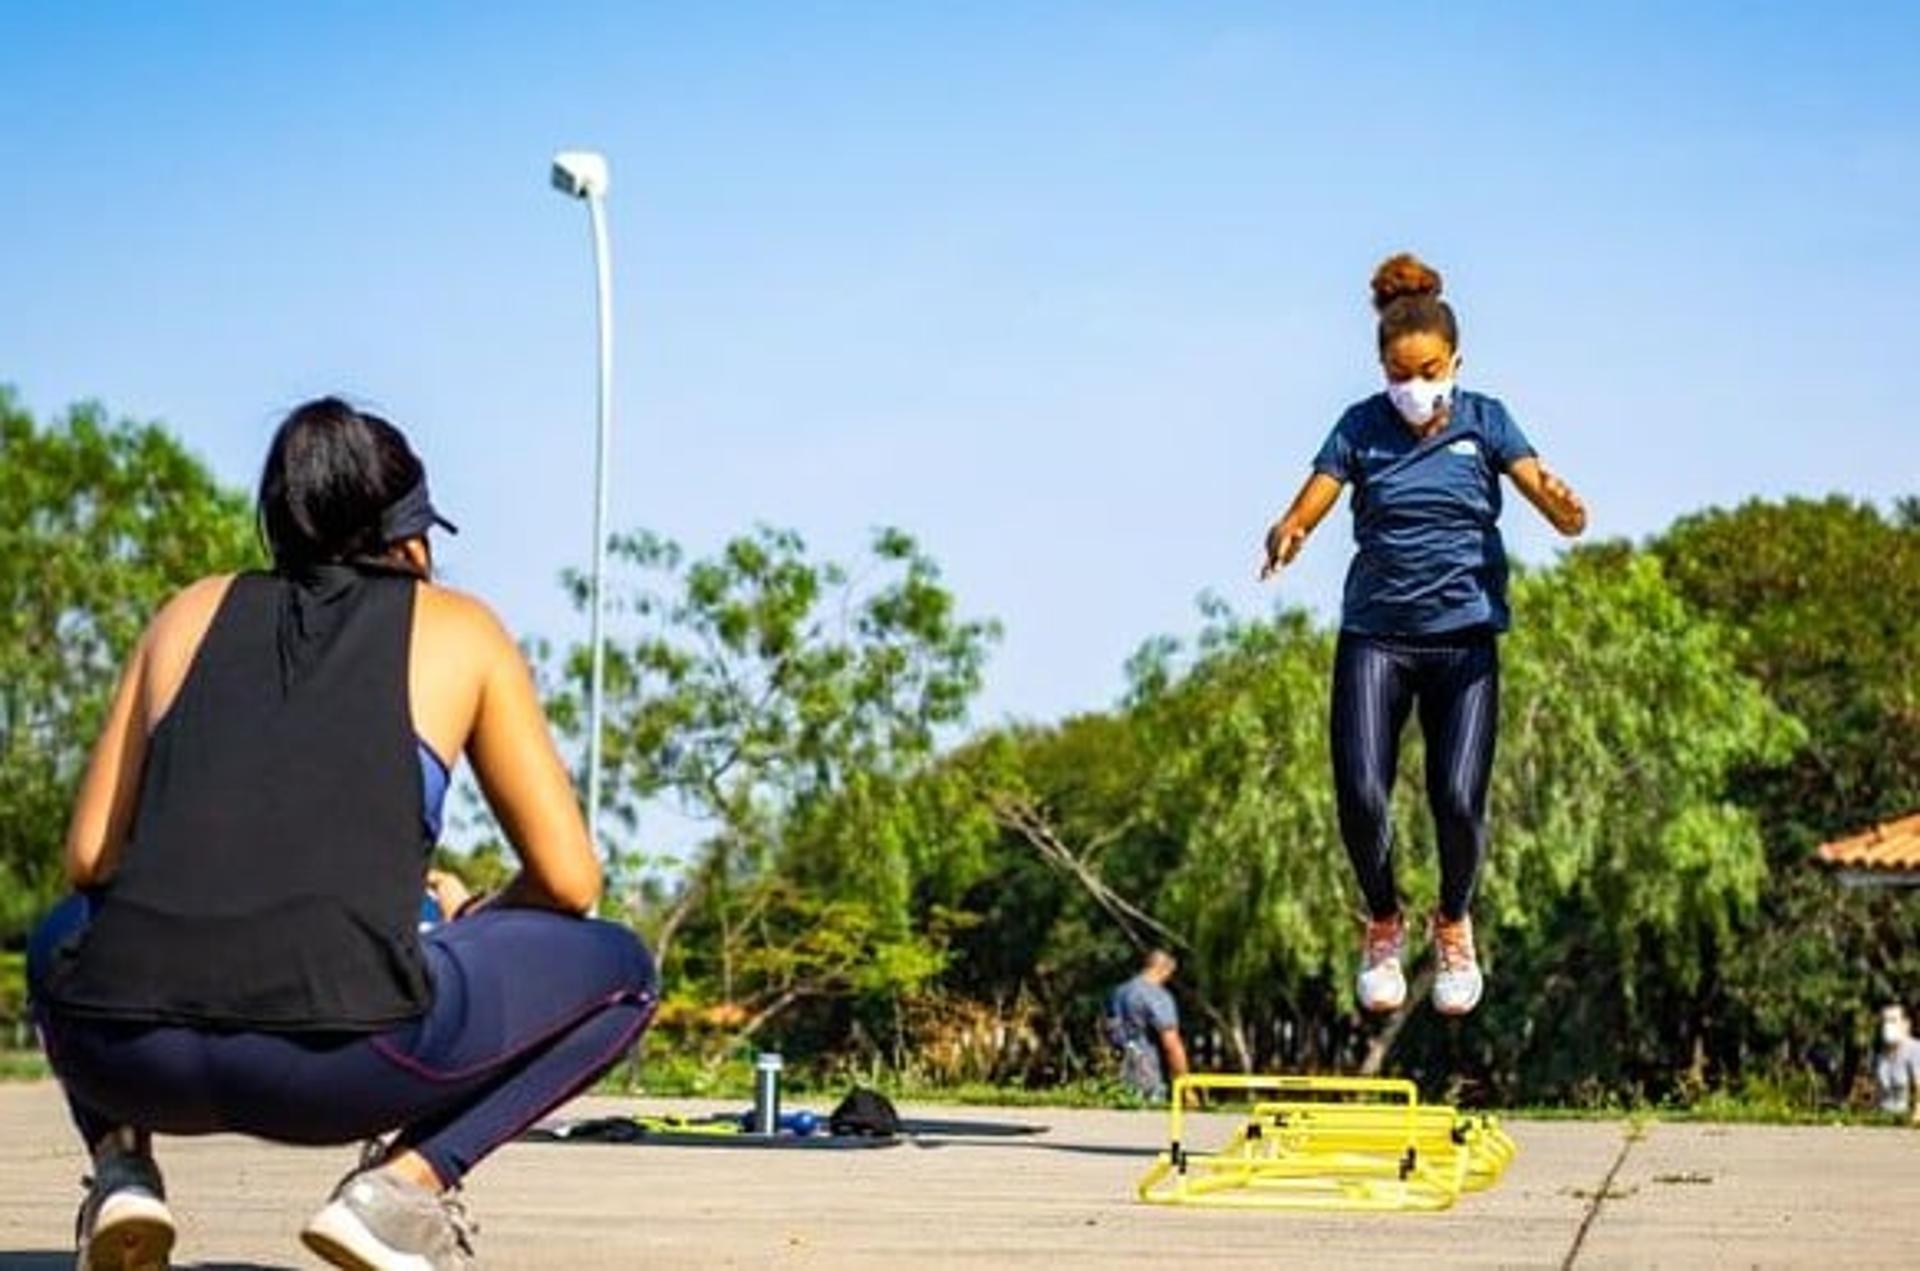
(1382, 985)
(1457, 982)
(124, 1224)
(378, 1221)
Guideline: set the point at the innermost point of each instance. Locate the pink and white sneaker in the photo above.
(1382, 985)
(1457, 983)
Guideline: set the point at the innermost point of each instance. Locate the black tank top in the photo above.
(271, 879)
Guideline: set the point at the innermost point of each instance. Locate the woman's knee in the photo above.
(640, 974)
(623, 961)
(1458, 808)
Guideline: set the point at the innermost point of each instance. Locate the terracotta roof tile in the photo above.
(1893, 847)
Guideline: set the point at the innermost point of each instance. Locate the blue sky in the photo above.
(1070, 291)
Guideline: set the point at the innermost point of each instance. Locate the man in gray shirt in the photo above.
(1896, 1069)
(1143, 1024)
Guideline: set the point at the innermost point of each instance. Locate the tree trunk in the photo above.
(669, 927)
(760, 1019)
(1230, 1026)
(1237, 1038)
(1380, 1045)
(1031, 824)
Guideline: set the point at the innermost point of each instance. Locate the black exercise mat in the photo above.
(627, 1131)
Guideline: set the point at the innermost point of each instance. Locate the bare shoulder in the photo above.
(187, 614)
(172, 639)
(447, 615)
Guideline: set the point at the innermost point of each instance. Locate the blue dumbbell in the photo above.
(801, 1124)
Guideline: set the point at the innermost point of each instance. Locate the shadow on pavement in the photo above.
(1081, 1149)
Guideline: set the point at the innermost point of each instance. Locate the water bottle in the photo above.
(766, 1093)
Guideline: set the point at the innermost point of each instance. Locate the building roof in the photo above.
(1887, 853)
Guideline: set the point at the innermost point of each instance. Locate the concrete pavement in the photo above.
(1588, 1194)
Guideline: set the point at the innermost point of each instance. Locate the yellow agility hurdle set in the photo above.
(1329, 1143)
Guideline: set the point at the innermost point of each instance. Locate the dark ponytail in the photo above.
(331, 473)
(1406, 295)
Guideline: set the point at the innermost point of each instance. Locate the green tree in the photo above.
(1619, 867)
(852, 868)
(1622, 869)
(1063, 872)
(1260, 892)
(785, 704)
(1822, 594)
(99, 523)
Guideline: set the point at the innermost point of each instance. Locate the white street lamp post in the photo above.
(582, 174)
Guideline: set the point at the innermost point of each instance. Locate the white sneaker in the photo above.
(378, 1221)
(1382, 985)
(1457, 983)
(124, 1223)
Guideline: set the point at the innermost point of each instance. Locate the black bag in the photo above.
(865, 1114)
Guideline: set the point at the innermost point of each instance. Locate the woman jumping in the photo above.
(1426, 597)
(249, 850)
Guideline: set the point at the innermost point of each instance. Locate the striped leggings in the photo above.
(1377, 680)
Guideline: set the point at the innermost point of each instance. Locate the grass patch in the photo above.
(23, 1065)
(1712, 1110)
(680, 1077)
(675, 1077)
(672, 1077)
(1080, 1094)
(1753, 1102)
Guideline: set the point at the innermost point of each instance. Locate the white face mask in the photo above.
(1893, 1032)
(1418, 400)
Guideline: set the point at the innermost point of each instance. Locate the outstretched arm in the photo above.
(1310, 507)
(1554, 497)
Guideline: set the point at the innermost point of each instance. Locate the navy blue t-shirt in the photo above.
(1425, 516)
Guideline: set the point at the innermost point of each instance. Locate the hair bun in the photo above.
(1402, 275)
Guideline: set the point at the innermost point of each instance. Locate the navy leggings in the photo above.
(529, 1007)
(1377, 681)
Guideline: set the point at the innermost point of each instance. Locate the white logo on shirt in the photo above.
(1464, 446)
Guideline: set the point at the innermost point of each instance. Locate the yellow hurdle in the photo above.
(1439, 1131)
(1352, 1143)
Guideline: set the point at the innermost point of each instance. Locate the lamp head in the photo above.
(580, 173)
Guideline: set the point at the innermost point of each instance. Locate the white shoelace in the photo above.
(454, 1205)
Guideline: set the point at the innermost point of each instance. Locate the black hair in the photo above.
(1406, 295)
(330, 473)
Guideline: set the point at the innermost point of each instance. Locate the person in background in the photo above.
(1896, 1069)
(1143, 1023)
